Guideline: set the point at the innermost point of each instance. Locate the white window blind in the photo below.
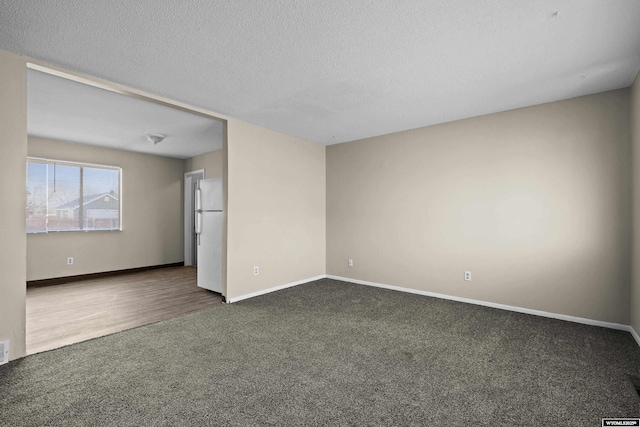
(71, 196)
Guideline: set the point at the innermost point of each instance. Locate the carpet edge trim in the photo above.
(274, 289)
(575, 319)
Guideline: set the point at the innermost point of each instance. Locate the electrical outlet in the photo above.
(4, 352)
(70, 260)
(256, 270)
(350, 263)
(467, 276)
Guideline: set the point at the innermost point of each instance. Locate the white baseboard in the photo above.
(574, 319)
(583, 320)
(634, 334)
(276, 288)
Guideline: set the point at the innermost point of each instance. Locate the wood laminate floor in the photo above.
(64, 314)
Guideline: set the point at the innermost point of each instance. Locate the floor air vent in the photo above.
(636, 383)
(4, 352)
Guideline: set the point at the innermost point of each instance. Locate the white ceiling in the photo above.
(332, 71)
(70, 111)
(63, 109)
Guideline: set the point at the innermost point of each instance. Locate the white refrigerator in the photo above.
(208, 224)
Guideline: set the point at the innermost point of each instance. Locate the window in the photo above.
(70, 196)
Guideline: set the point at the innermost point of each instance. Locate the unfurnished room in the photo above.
(320, 213)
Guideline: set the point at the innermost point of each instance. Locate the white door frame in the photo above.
(189, 214)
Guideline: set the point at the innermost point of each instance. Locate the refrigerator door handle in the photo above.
(198, 198)
(198, 225)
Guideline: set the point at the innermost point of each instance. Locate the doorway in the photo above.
(190, 242)
(77, 120)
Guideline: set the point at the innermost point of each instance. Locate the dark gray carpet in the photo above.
(332, 353)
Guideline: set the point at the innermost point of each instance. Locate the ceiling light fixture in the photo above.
(155, 138)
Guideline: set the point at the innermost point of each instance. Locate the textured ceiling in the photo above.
(333, 71)
(63, 109)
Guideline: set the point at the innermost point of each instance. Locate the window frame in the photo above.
(49, 161)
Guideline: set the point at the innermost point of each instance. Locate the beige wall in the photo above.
(13, 250)
(276, 209)
(534, 202)
(635, 143)
(211, 162)
(151, 216)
